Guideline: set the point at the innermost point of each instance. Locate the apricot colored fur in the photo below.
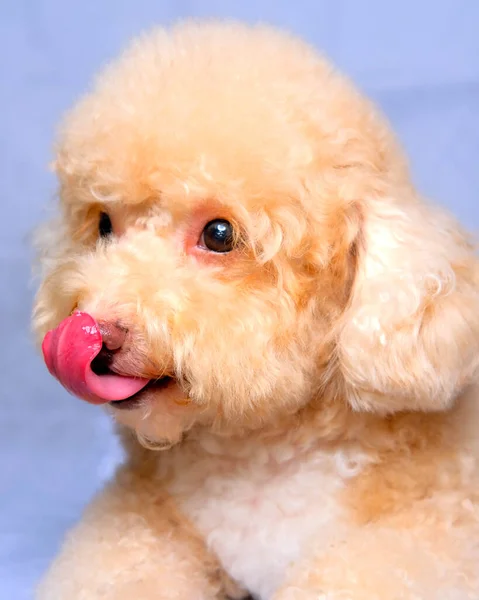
(322, 441)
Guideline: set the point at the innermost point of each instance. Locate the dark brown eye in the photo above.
(218, 236)
(105, 228)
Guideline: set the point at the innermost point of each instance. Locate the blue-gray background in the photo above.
(419, 60)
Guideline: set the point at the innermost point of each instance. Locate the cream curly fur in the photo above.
(322, 440)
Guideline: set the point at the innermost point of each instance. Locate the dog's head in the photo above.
(241, 224)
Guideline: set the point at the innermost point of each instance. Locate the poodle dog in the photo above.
(243, 274)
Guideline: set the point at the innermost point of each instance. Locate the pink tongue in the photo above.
(69, 351)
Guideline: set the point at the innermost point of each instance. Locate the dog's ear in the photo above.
(410, 335)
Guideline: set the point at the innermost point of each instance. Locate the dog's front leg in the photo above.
(133, 544)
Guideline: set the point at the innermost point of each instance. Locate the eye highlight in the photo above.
(218, 236)
(105, 227)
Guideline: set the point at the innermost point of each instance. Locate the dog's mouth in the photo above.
(70, 351)
(152, 387)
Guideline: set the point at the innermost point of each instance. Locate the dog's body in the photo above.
(315, 403)
(260, 506)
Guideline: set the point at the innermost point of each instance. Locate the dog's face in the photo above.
(241, 225)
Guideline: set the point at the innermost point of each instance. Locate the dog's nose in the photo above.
(113, 335)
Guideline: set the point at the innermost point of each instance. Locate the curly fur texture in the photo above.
(320, 441)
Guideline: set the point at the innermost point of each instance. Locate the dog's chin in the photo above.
(159, 414)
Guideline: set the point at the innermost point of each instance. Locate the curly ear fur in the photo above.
(410, 338)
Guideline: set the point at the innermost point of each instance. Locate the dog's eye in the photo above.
(218, 236)
(105, 228)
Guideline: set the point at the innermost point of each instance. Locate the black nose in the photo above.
(113, 337)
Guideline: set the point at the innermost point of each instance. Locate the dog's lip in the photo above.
(153, 385)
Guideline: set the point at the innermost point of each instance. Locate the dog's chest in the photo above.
(259, 511)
